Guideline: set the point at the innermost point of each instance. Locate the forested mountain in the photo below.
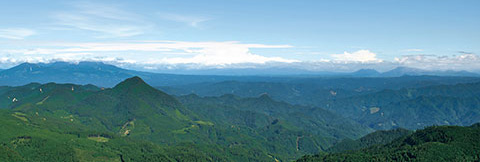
(413, 108)
(307, 129)
(380, 103)
(313, 90)
(238, 129)
(242, 119)
(380, 137)
(239, 80)
(41, 138)
(436, 143)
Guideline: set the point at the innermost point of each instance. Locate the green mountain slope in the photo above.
(36, 138)
(131, 109)
(380, 137)
(413, 108)
(311, 90)
(289, 129)
(251, 129)
(436, 143)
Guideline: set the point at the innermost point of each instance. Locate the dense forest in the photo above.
(133, 121)
(226, 128)
(435, 143)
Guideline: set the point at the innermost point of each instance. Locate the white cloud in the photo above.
(434, 62)
(106, 20)
(413, 50)
(224, 54)
(357, 56)
(15, 33)
(200, 55)
(190, 20)
(153, 52)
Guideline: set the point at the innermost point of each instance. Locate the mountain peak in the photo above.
(133, 81)
(265, 97)
(366, 73)
(401, 71)
(135, 88)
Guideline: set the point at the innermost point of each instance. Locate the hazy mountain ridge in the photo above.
(96, 73)
(105, 75)
(413, 102)
(413, 108)
(316, 91)
(400, 71)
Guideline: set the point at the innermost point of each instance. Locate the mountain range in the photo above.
(105, 75)
(238, 129)
(92, 111)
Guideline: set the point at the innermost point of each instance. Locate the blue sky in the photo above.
(312, 35)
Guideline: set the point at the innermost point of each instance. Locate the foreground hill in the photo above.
(39, 138)
(252, 129)
(436, 143)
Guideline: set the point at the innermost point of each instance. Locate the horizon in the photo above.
(158, 36)
(270, 71)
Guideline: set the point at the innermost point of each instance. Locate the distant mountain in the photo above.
(104, 75)
(436, 143)
(62, 72)
(365, 73)
(407, 71)
(287, 71)
(259, 71)
(314, 91)
(99, 74)
(401, 71)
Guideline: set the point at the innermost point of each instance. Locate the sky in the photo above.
(313, 35)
